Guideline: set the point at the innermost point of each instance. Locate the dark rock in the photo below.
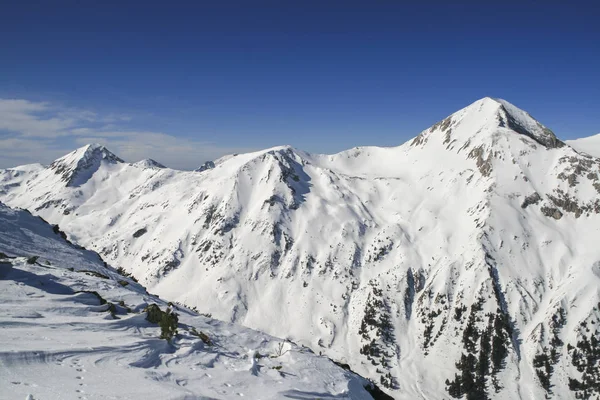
(484, 164)
(32, 260)
(531, 199)
(139, 232)
(552, 212)
(207, 165)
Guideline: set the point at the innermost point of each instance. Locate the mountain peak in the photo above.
(92, 149)
(149, 163)
(93, 146)
(489, 116)
(207, 165)
(78, 166)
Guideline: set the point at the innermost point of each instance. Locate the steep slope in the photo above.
(462, 262)
(73, 328)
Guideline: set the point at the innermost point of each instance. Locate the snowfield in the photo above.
(590, 145)
(463, 263)
(60, 342)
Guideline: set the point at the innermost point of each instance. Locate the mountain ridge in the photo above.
(410, 263)
(76, 328)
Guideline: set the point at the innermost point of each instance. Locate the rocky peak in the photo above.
(78, 166)
(485, 119)
(206, 166)
(149, 163)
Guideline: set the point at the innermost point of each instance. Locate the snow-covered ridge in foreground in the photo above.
(461, 263)
(72, 328)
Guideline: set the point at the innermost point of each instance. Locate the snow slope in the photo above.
(463, 262)
(590, 145)
(60, 341)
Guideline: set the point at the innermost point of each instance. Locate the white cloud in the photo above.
(18, 151)
(174, 152)
(27, 119)
(41, 132)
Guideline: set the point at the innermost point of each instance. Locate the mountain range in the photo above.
(463, 263)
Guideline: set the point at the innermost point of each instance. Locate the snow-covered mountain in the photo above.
(73, 328)
(463, 262)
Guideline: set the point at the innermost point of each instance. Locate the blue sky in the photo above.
(184, 82)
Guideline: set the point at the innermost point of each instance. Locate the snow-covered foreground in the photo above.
(60, 342)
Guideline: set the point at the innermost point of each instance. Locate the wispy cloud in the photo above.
(41, 131)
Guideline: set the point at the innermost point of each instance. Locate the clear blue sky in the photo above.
(319, 75)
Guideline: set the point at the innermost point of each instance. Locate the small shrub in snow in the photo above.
(121, 271)
(280, 350)
(153, 313)
(167, 320)
(93, 273)
(57, 230)
(168, 325)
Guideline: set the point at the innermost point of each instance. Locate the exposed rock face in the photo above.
(526, 125)
(532, 199)
(207, 165)
(77, 167)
